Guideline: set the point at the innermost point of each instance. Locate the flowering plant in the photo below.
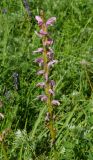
(46, 61)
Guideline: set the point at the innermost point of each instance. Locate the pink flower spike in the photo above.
(51, 63)
(41, 84)
(55, 102)
(39, 20)
(39, 50)
(43, 33)
(51, 91)
(40, 72)
(50, 21)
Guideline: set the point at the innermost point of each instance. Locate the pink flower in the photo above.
(43, 33)
(50, 21)
(50, 54)
(39, 61)
(55, 102)
(39, 20)
(41, 84)
(48, 42)
(39, 50)
(40, 72)
(51, 91)
(51, 63)
(42, 97)
(52, 83)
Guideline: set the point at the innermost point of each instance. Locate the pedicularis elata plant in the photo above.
(45, 62)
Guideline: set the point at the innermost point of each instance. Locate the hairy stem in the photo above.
(47, 85)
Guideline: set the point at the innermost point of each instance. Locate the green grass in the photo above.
(28, 138)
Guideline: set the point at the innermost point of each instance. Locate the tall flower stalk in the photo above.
(46, 61)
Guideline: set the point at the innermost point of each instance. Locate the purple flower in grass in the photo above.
(39, 50)
(55, 102)
(50, 55)
(52, 83)
(42, 97)
(39, 61)
(39, 20)
(50, 21)
(26, 5)
(43, 33)
(51, 63)
(41, 84)
(40, 72)
(48, 42)
(51, 91)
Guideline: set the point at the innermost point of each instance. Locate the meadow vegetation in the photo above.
(23, 134)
